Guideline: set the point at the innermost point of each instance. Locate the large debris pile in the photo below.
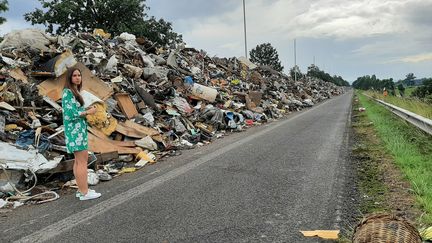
(151, 102)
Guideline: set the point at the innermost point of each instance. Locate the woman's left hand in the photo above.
(91, 110)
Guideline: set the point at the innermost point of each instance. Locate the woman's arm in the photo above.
(71, 112)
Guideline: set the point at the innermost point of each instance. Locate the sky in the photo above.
(388, 38)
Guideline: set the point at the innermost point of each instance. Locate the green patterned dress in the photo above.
(75, 126)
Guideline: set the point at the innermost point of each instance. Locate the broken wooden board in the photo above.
(52, 103)
(6, 106)
(101, 135)
(146, 130)
(99, 145)
(43, 74)
(255, 97)
(135, 130)
(324, 234)
(248, 63)
(67, 165)
(126, 105)
(62, 62)
(249, 104)
(106, 157)
(18, 74)
(159, 138)
(53, 88)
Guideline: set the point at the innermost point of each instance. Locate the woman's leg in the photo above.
(80, 170)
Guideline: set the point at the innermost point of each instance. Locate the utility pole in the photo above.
(295, 61)
(244, 21)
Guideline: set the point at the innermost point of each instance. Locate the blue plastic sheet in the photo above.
(27, 138)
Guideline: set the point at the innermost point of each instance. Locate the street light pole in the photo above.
(295, 61)
(244, 21)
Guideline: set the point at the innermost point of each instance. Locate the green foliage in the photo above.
(401, 89)
(159, 31)
(409, 90)
(409, 80)
(3, 8)
(371, 82)
(266, 54)
(425, 91)
(293, 72)
(114, 16)
(410, 149)
(414, 105)
(314, 71)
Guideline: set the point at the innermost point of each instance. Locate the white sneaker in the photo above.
(78, 193)
(90, 195)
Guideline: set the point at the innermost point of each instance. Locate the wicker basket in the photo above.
(385, 228)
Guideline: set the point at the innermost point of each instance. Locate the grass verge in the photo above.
(411, 151)
(411, 104)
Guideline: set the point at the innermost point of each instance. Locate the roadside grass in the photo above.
(408, 103)
(369, 153)
(411, 150)
(367, 156)
(409, 90)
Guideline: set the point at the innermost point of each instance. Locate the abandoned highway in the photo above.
(261, 185)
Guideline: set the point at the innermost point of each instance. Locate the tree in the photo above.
(114, 16)
(159, 31)
(401, 89)
(371, 82)
(424, 91)
(3, 8)
(295, 71)
(314, 71)
(266, 54)
(409, 80)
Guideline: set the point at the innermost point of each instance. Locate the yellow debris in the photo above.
(235, 82)
(146, 157)
(324, 234)
(128, 170)
(3, 86)
(10, 127)
(101, 120)
(101, 33)
(427, 234)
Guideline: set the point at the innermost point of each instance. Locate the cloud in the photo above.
(282, 20)
(423, 57)
(349, 38)
(323, 18)
(15, 24)
(15, 16)
(189, 8)
(349, 19)
(418, 13)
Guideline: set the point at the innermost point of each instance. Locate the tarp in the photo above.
(18, 159)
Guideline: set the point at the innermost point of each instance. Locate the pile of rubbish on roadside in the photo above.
(151, 103)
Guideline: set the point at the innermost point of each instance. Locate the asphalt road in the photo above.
(261, 185)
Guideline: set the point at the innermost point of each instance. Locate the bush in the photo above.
(425, 91)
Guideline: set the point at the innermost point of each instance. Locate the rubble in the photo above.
(147, 99)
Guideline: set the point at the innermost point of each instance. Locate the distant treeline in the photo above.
(314, 71)
(372, 82)
(423, 91)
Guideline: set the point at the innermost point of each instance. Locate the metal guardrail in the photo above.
(421, 122)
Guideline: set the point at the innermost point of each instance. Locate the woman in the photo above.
(75, 131)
